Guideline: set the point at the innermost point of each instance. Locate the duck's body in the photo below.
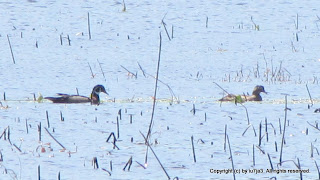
(66, 98)
(254, 97)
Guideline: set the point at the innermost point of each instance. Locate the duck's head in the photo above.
(98, 89)
(258, 89)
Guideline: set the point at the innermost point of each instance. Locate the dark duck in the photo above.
(93, 99)
(254, 97)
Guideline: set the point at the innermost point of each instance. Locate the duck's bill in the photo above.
(105, 92)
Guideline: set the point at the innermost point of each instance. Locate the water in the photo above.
(278, 53)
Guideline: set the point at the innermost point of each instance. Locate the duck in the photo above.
(254, 97)
(93, 99)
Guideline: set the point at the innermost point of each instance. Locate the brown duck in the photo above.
(254, 97)
(93, 99)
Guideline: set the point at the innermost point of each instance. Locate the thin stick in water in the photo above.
(102, 71)
(172, 32)
(309, 96)
(260, 126)
(234, 175)
(207, 19)
(119, 113)
(225, 138)
(128, 164)
(54, 138)
(266, 124)
(95, 163)
(193, 151)
(317, 169)
(270, 161)
(89, 31)
(39, 172)
(118, 128)
(47, 115)
(253, 158)
(39, 131)
(165, 28)
(284, 128)
(92, 75)
(27, 126)
(155, 90)
(61, 116)
(147, 143)
(11, 49)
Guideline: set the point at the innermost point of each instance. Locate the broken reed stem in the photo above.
(141, 165)
(266, 124)
(61, 42)
(143, 72)
(69, 40)
(102, 71)
(114, 140)
(111, 165)
(297, 25)
(47, 115)
(129, 163)
(165, 28)
(147, 143)
(194, 154)
(124, 6)
(171, 91)
(193, 109)
(27, 126)
(311, 150)
(95, 163)
(225, 138)
(299, 167)
(119, 113)
(155, 91)
(54, 138)
(89, 31)
(39, 130)
(207, 19)
(317, 169)
(61, 116)
(17, 147)
(284, 128)
(130, 118)
(221, 87)
(280, 126)
(59, 175)
(253, 158)
(260, 134)
(146, 157)
(309, 95)
(39, 172)
(14, 62)
(92, 75)
(118, 128)
(172, 32)
(9, 135)
(234, 175)
(270, 161)
(246, 112)
(4, 134)
(130, 73)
